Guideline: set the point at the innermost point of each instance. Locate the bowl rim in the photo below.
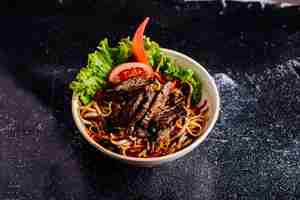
(177, 154)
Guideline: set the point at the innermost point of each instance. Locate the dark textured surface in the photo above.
(253, 152)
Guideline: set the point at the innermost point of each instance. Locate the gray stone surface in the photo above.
(252, 153)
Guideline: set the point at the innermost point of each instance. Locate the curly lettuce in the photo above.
(93, 77)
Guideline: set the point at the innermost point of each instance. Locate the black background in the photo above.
(253, 53)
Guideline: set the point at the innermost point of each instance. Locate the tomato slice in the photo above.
(138, 49)
(128, 70)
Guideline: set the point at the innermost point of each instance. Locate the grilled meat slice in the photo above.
(129, 110)
(149, 96)
(141, 132)
(158, 104)
(116, 98)
(132, 84)
(111, 95)
(113, 118)
(142, 109)
(173, 110)
(168, 119)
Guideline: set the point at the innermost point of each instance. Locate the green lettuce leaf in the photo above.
(93, 77)
(122, 52)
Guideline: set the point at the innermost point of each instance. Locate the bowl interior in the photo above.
(209, 92)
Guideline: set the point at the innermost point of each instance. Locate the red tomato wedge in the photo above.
(128, 70)
(138, 49)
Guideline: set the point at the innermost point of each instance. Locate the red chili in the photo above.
(200, 108)
(203, 105)
(138, 43)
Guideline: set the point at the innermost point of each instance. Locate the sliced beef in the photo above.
(168, 119)
(143, 108)
(141, 132)
(173, 110)
(132, 84)
(113, 118)
(126, 99)
(149, 96)
(101, 123)
(158, 104)
(116, 97)
(136, 104)
(129, 110)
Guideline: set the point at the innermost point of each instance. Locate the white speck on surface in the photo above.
(218, 140)
(225, 80)
(39, 127)
(246, 138)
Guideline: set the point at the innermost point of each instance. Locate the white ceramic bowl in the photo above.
(209, 92)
